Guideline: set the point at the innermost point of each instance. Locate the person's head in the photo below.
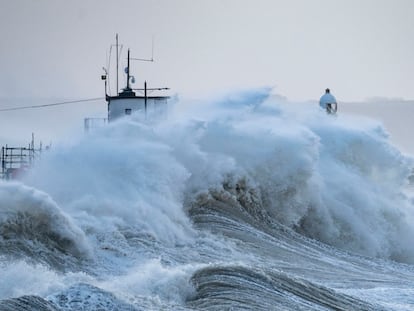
(327, 91)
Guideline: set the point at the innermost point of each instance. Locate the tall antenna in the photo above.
(128, 72)
(117, 66)
(152, 48)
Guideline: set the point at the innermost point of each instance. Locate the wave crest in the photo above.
(32, 224)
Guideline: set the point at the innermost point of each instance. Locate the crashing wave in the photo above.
(32, 225)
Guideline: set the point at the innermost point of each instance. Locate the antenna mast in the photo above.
(117, 66)
(147, 59)
(152, 49)
(128, 72)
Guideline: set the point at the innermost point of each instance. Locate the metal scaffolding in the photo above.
(16, 160)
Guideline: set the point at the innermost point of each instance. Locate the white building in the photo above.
(127, 102)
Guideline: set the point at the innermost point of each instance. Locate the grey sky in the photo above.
(358, 48)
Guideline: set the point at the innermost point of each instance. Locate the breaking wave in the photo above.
(121, 177)
(33, 226)
(247, 202)
(337, 180)
(218, 287)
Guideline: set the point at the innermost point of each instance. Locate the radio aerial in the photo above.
(147, 59)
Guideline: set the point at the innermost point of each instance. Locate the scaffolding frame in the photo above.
(16, 160)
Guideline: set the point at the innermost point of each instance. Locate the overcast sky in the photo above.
(358, 48)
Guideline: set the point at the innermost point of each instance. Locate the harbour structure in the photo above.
(15, 161)
(130, 101)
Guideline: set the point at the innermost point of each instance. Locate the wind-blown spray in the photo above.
(233, 195)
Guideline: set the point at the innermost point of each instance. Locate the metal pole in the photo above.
(117, 66)
(145, 98)
(2, 159)
(128, 72)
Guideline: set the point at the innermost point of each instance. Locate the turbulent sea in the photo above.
(248, 202)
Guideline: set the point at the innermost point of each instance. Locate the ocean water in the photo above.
(246, 202)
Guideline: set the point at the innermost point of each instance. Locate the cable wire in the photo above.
(54, 104)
